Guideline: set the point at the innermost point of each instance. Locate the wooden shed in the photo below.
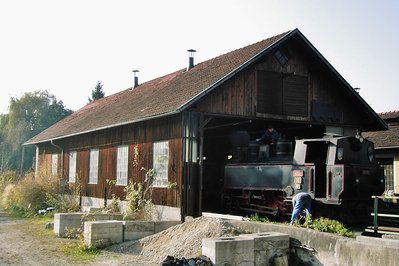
(179, 124)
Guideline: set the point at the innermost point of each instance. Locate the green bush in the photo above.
(325, 225)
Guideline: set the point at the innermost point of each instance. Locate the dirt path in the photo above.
(25, 243)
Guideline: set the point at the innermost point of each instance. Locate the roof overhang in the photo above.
(99, 128)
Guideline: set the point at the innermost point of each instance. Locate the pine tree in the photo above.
(97, 92)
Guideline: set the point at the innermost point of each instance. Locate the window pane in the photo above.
(161, 163)
(54, 164)
(93, 171)
(72, 166)
(122, 165)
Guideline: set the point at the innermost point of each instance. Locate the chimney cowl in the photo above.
(136, 79)
(190, 58)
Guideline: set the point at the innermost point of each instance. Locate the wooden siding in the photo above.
(239, 95)
(139, 137)
(324, 100)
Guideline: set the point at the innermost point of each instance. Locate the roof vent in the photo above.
(190, 58)
(136, 79)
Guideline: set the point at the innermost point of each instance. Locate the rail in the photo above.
(376, 228)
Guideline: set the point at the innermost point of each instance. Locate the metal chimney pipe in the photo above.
(136, 79)
(190, 58)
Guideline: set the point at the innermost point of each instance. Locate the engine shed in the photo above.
(181, 124)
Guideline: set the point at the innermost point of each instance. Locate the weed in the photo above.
(257, 218)
(325, 225)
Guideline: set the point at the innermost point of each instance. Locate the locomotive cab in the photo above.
(345, 167)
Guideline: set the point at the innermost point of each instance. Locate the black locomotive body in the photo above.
(340, 173)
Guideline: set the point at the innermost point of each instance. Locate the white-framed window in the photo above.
(161, 163)
(122, 159)
(72, 166)
(54, 164)
(93, 164)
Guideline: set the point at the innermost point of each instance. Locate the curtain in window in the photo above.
(161, 163)
(72, 166)
(93, 171)
(122, 165)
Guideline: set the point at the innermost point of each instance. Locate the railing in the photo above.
(385, 213)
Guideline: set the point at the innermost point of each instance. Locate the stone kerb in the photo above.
(103, 233)
(229, 250)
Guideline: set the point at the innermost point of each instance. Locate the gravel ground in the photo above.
(179, 241)
(22, 243)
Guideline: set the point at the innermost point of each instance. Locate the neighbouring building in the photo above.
(386, 144)
(179, 124)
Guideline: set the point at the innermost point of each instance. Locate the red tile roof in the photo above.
(161, 96)
(387, 138)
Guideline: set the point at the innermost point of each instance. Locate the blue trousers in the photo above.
(300, 201)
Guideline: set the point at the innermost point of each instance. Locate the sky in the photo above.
(67, 46)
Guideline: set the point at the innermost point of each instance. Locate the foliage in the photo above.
(29, 195)
(256, 218)
(97, 92)
(7, 178)
(139, 197)
(62, 203)
(325, 225)
(113, 207)
(28, 116)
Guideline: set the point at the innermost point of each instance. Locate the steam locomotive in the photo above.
(339, 172)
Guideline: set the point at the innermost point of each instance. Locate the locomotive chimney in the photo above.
(190, 58)
(136, 79)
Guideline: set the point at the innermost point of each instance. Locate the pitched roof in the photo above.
(172, 93)
(386, 139)
(162, 96)
(389, 116)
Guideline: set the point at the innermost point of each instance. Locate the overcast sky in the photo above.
(65, 47)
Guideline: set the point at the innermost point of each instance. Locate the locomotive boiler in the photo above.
(339, 172)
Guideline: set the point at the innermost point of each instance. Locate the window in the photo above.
(161, 163)
(54, 164)
(93, 170)
(72, 167)
(122, 165)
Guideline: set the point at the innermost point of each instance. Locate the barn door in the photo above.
(191, 169)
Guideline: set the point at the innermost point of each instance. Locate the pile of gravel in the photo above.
(180, 241)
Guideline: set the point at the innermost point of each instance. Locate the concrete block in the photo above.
(64, 222)
(67, 221)
(229, 250)
(103, 233)
(270, 247)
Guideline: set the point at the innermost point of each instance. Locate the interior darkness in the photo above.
(217, 147)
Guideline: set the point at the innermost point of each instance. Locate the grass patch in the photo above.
(77, 253)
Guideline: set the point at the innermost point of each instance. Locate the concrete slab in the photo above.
(269, 246)
(229, 250)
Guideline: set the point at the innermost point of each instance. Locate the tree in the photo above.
(28, 116)
(97, 92)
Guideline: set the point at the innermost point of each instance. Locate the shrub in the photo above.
(138, 197)
(325, 225)
(27, 196)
